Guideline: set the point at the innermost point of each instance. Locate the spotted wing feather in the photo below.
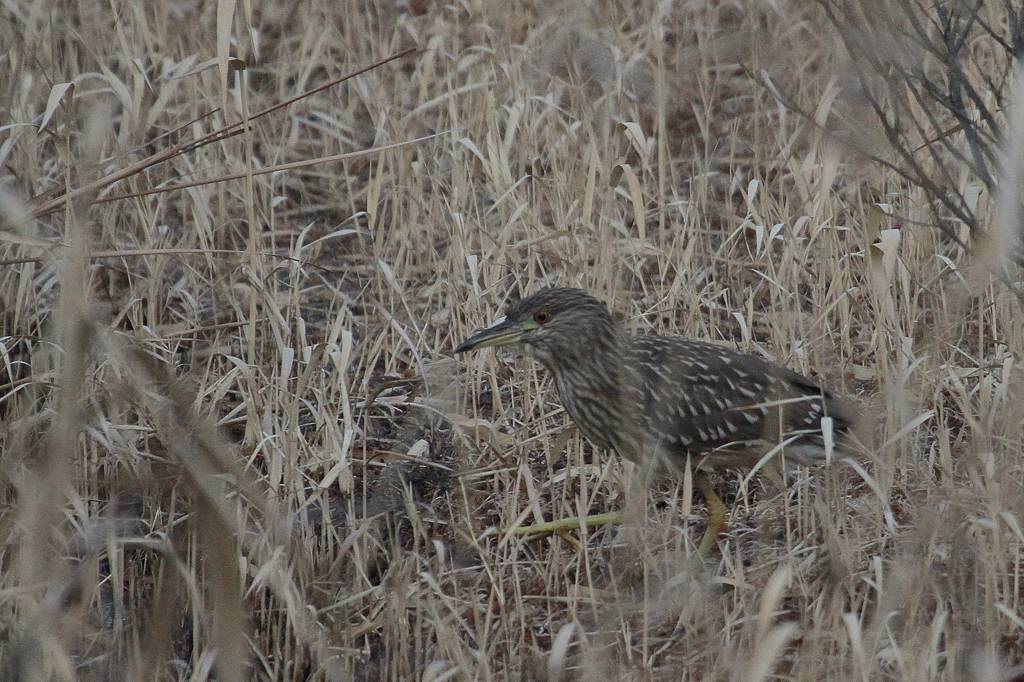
(698, 396)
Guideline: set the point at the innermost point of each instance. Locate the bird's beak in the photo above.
(504, 332)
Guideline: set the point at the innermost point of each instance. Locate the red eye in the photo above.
(541, 317)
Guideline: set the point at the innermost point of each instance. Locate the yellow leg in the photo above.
(571, 523)
(716, 514)
(716, 519)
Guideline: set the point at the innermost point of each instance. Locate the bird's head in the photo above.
(552, 324)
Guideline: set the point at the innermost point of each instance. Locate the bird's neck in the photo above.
(593, 386)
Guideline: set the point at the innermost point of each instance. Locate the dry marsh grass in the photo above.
(235, 444)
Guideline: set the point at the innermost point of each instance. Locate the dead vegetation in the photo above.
(234, 442)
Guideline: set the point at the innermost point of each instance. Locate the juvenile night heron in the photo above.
(660, 399)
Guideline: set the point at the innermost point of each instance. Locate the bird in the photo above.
(663, 400)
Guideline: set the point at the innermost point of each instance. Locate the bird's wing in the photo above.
(700, 396)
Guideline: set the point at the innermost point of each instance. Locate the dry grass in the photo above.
(232, 432)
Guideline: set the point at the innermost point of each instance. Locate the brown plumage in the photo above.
(662, 398)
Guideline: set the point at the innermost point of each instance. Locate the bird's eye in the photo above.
(541, 317)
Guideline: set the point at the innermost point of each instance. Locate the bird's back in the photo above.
(695, 398)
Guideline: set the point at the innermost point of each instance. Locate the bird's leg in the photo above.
(716, 519)
(716, 514)
(571, 523)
